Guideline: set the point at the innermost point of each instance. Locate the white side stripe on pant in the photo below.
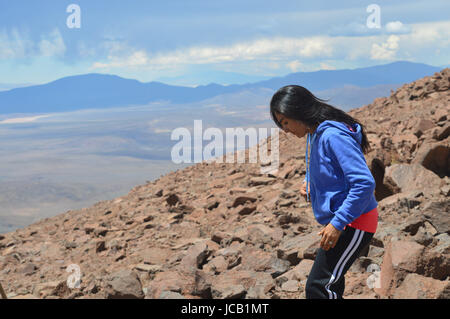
(337, 271)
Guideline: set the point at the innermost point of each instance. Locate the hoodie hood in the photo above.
(356, 134)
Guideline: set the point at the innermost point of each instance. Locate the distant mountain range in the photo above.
(103, 91)
(9, 86)
(202, 76)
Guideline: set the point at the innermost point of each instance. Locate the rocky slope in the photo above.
(226, 231)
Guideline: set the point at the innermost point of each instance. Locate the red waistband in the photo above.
(367, 222)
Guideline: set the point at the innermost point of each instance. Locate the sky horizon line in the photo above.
(196, 85)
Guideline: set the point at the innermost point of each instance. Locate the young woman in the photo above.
(338, 183)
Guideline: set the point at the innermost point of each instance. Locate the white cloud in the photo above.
(386, 50)
(138, 58)
(294, 66)
(434, 33)
(22, 119)
(99, 65)
(14, 44)
(394, 41)
(396, 27)
(271, 49)
(86, 51)
(52, 44)
(17, 45)
(325, 66)
(272, 65)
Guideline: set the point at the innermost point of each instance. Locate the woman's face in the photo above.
(291, 126)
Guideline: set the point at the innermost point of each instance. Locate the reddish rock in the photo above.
(260, 233)
(255, 181)
(41, 290)
(423, 126)
(246, 210)
(203, 282)
(100, 246)
(441, 133)
(232, 253)
(293, 249)
(154, 255)
(435, 157)
(29, 269)
(240, 200)
(400, 258)
(195, 257)
(216, 265)
(261, 261)
(287, 171)
(415, 286)
(62, 290)
(290, 286)
(437, 212)
(170, 281)
(124, 284)
(236, 283)
(172, 199)
(356, 286)
(218, 236)
(434, 264)
(405, 178)
(299, 273)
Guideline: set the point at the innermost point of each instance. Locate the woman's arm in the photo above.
(347, 152)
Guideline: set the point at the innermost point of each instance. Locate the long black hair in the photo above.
(296, 102)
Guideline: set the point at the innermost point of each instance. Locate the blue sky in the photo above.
(191, 42)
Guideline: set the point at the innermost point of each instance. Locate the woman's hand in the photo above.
(303, 190)
(330, 236)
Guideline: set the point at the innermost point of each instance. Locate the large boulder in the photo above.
(297, 248)
(400, 258)
(419, 287)
(438, 213)
(422, 126)
(408, 177)
(435, 265)
(154, 255)
(171, 280)
(299, 273)
(435, 157)
(263, 234)
(441, 133)
(196, 256)
(237, 283)
(259, 260)
(124, 284)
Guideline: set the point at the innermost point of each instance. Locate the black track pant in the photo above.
(326, 279)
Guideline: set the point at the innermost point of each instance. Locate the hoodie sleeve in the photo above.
(348, 154)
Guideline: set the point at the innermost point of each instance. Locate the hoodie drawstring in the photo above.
(308, 138)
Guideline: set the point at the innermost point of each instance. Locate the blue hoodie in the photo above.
(340, 183)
